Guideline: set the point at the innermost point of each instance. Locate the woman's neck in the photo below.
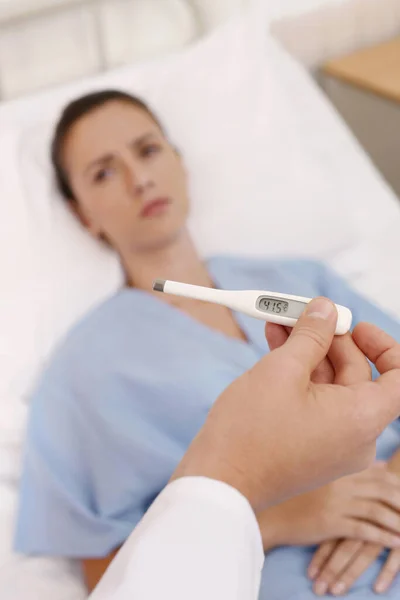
(178, 261)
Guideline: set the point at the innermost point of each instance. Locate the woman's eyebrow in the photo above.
(142, 138)
(107, 158)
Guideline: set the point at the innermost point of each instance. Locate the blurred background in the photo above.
(48, 42)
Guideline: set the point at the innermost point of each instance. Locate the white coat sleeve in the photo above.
(199, 539)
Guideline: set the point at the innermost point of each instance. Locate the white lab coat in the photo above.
(200, 539)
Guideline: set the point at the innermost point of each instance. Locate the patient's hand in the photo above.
(338, 564)
(365, 506)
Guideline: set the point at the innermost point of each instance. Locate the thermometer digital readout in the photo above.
(273, 307)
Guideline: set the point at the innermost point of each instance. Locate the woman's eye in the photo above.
(102, 175)
(150, 150)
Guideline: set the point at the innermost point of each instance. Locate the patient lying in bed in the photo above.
(131, 385)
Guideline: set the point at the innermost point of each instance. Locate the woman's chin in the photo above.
(159, 242)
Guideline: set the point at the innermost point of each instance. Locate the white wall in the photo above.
(316, 30)
(47, 42)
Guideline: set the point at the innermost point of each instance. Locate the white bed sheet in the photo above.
(267, 142)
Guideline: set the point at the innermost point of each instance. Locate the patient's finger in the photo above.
(341, 558)
(348, 361)
(320, 558)
(366, 556)
(389, 572)
(381, 349)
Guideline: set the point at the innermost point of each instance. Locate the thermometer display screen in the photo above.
(281, 307)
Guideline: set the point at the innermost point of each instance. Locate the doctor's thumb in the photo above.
(313, 333)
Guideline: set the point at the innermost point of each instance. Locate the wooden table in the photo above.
(365, 88)
(376, 69)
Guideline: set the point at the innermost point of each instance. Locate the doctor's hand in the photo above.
(276, 431)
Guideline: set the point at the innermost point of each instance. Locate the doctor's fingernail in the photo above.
(320, 308)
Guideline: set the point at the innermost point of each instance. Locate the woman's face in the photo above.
(128, 181)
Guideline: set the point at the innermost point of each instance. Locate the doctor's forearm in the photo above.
(199, 539)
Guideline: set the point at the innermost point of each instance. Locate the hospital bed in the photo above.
(273, 170)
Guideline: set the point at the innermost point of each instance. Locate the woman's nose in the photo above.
(139, 180)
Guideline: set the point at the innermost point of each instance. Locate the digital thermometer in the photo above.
(273, 307)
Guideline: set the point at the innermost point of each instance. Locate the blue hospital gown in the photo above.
(123, 397)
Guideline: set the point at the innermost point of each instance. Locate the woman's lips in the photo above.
(154, 207)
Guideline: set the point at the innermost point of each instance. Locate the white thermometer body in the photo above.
(273, 307)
